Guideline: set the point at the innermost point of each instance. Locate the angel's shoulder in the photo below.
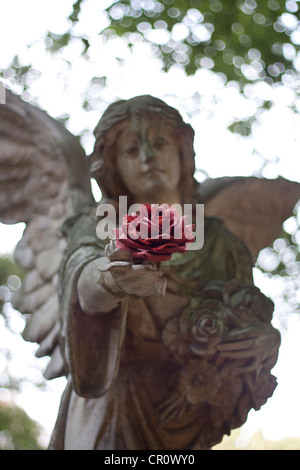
(81, 229)
(227, 246)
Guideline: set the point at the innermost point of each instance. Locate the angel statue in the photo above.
(169, 356)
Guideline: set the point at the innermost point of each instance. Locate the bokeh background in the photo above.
(232, 70)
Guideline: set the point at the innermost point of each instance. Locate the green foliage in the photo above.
(10, 276)
(246, 40)
(9, 268)
(243, 127)
(17, 430)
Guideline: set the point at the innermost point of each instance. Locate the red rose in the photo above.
(155, 233)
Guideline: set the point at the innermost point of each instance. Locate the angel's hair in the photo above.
(111, 125)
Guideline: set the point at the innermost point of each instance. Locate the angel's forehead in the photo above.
(143, 128)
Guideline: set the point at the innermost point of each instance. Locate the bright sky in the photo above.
(219, 152)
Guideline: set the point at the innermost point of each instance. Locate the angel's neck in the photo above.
(169, 198)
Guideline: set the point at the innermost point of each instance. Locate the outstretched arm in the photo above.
(104, 283)
(94, 301)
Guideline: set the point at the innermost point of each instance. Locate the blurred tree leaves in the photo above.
(11, 275)
(242, 127)
(17, 430)
(9, 268)
(245, 40)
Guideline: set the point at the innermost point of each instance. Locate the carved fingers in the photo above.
(240, 348)
(259, 343)
(137, 280)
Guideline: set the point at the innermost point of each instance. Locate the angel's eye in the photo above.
(132, 150)
(160, 143)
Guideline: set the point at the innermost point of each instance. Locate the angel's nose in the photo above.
(147, 153)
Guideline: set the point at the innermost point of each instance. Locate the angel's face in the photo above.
(148, 161)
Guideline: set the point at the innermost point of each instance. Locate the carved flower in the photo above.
(155, 233)
(247, 302)
(220, 314)
(199, 381)
(231, 386)
(173, 338)
(198, 330)
(208, 328)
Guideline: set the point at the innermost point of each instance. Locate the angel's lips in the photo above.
(153, 171)
(155, 234)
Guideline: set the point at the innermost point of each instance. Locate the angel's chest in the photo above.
(147, 317)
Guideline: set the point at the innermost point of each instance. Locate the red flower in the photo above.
(155, 233)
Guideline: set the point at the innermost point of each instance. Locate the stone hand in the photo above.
(137, 280)
(255, 342)
(104, 283)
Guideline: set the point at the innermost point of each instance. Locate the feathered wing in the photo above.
(254, 209)
(43, 175)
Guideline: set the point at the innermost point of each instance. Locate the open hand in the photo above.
(137, 279)
(255, 344)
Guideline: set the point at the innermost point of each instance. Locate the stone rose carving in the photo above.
(227, 326)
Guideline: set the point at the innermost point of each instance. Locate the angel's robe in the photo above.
(120, 372)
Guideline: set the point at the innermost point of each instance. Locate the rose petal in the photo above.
(154, 233)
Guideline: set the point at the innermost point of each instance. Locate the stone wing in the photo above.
(254, 209)
(44, 177)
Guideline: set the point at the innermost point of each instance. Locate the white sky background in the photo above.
(218, 152)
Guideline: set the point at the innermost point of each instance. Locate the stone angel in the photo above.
(147, 367)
